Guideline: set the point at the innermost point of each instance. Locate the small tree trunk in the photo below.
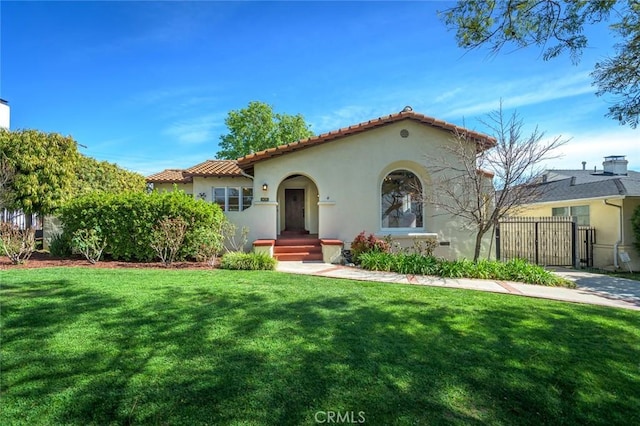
(478, 246)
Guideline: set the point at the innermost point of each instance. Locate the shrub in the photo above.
(416, 264)
(455, 268)
(60, 245)
(248, 261)
(377, 261)
(230, 238)
(128, 220)
(17, 244)
(208, 243)
(521, 270)
(362, 244)
(423, 247)
(90, 243)
(167, 238)
(488, 269)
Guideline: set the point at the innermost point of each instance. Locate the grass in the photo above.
(96, 347)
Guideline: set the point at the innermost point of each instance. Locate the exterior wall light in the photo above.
(265, 186)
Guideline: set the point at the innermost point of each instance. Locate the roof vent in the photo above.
(615, 165)
(407, 109)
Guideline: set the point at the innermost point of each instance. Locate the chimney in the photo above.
(584, 165)
(615, 165)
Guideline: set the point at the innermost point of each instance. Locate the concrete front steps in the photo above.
(298, 248)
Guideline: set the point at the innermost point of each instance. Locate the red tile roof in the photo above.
(209, 168)
(169, 176)
(216, 168)
(483, 141)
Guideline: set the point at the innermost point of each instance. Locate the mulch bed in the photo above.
(45, 260)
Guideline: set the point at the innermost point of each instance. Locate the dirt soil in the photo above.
(45, 260)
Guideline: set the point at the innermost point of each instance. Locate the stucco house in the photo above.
(310, 198)
(604, 199)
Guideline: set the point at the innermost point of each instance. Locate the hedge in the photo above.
(127, 220)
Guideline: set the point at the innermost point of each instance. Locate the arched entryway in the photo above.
(298, 205)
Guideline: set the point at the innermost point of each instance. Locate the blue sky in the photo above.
(148, 85)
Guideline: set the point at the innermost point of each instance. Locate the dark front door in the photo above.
(294, 209)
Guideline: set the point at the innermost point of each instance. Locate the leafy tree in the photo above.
(557, 26)
(43, 167)
(463, 178)
(92, 175)
(620, 75)
(257, 128)
(7, 174)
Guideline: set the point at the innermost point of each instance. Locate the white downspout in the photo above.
(617, 244)
(246, 175)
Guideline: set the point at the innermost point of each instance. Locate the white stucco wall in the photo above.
(348, 174)
(186, 187)
(310, 206)
(253, 218)
(205, 185)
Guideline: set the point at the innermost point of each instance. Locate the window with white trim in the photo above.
(233, 198)
(581, 213)
(401, 198)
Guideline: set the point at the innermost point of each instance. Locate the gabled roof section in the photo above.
(169, 176)
(566, 185)
(208, 168)
(215, 168)
(483, 141)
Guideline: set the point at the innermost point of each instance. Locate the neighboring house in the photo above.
(603, 199)
(365, 177)
(5, 114)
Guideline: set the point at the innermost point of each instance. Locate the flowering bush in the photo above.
(363, 244)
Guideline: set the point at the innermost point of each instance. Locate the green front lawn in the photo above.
(97, 346)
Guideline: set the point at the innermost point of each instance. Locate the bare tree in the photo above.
(483, 184)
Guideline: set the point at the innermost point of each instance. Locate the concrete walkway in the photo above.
(594, 289)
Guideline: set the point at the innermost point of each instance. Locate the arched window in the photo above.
(401, 200)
